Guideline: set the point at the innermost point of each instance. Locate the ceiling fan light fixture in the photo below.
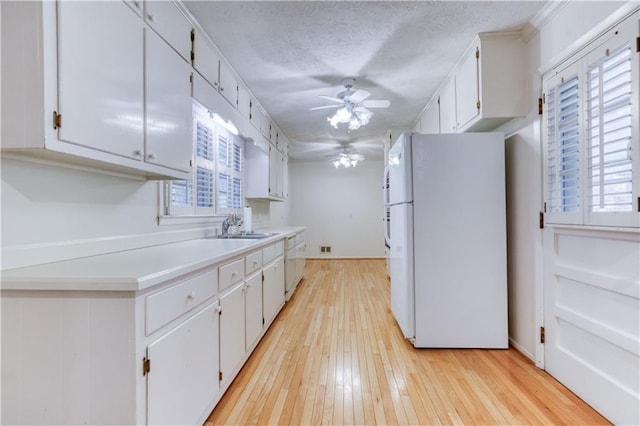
(346, 160)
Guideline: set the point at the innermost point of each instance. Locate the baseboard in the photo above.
(515, 345)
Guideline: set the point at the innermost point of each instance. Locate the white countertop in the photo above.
(135, 270)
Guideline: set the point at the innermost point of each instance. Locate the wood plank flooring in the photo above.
(335, 356)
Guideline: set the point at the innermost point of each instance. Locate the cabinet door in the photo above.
(301, 254)
(274, 164)
(273, 289)
(228, 85)
(448, 107)
(431, 118)
(285, 177)
(206, 60)
(183, 379)
(168, 130)
(100, 76)
(467, 90)
(244, 102)
(171, 24)
(253, 309)
(231, 330)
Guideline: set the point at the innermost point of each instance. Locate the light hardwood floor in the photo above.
(335, 356)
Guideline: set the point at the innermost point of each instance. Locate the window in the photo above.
(217, 172)
(591, 135)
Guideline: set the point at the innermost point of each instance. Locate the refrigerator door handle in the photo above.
(385, 186)
(387, 237)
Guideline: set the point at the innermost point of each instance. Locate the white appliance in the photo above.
(448, 239)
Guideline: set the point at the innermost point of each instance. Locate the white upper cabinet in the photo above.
(165, 18)
(448, 107)
(228, 85)
(468, 89)
(207, 62)
(430, 120)
(79, 89)
(169, 107)
(485, 89)
(205, 59)
(244, 102)
(101, 109)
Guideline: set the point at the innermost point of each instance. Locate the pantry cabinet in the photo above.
(89, 109)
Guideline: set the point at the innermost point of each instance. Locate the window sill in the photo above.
(182, 220)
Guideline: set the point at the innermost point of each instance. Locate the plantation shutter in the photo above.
(562, 154)
(612, 132)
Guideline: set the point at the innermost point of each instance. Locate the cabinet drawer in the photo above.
(253, 262)
(268, 253)
(279, 248)
(300, 238)
(231, 273)
(168, 304)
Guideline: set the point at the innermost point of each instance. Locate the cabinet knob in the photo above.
(150, 17)
(151, 156)
(221, 89)
(137, 153)
(136, 4)
(191, 295)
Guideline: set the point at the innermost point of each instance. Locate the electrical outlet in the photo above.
(322, 249)
(328, 249)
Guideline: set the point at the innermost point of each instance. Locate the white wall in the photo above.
(341, 208)
(52, 213)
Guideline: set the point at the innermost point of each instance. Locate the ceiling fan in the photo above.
(346, 158)
(352, 105)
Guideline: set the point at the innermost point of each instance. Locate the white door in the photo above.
(401, 268)
(100, 73)
(232, 327)
(184, 371)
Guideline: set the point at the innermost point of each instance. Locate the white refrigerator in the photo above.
(447, 239)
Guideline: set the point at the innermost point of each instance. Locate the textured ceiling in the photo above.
(288, 53)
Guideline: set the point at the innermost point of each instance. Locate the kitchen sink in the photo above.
(243, 236)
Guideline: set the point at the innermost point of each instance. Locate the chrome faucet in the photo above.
(233, 219)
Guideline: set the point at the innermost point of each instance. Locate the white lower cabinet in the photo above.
(273, 289)
(232, 348)
(183, 377)
(253, 310)
(160, 355)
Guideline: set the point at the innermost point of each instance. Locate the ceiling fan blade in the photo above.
(359, 96)
(331, 98)
(377, 103)
(323, 107)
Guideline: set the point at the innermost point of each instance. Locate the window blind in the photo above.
(563, 147)
(205, 182)
(609, 128)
